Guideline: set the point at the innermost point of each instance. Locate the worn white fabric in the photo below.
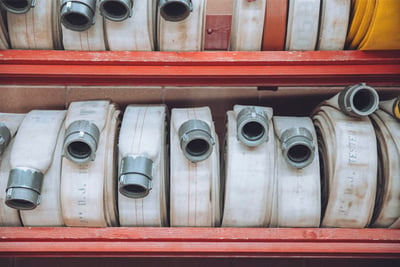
(185, 35)
(36, 29)
(347, 147)
(247, 25)
(249, 177)
(302, 25)
(195, 187)
(136, 33)
(143, 134)
(297, 194)
(387, 207)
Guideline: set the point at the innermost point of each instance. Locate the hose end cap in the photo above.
(252, 126)
(135, 179)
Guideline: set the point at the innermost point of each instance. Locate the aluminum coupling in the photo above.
(80, 142)
(196, 140)
(358, 100)
(5, 137)
(17, 6)
(135, 177)
(298, 147)
(78, 15)
(175, 10)
(252, 126)
(24, 188)
(116, 10)
(392, 107)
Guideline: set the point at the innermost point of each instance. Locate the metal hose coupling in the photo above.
(17, 6)
(298, 147)
(78, 15)
(80, 142)
(392, 107)
(24, 188)
(5, 137)
(196, 140)
(252, 126)
(358, 100)
(135, 178)
(116, 10)
(175, 10)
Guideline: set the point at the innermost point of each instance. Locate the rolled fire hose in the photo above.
(348, 157)
(33, 24)
(387, 207)
(31, 157)
(88, 184)
(195, 182)
(48, 213)
(181, 25)
(4, 41)
(302, 25)
(134, 31)
(363, 13)
(249, 167)
(143, 180)
(247, 25)
(384, 31)
(275, 25)
(297, 192)
(82, 25)
(9, 124)
(333, 24)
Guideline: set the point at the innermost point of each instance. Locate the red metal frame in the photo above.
(199, 68)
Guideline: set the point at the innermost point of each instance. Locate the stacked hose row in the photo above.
(179, 25)
(338, 168)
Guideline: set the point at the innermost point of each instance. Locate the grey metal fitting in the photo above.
(5, 137)
(175, 10)
(135, 177)
(116, 10)
(358, 100)
(252, 126)
(17, 6)
(298, 147)
(24, 188)
(80, 142)
(196, 140)
(78, 15)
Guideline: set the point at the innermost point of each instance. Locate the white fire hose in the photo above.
(143, 159)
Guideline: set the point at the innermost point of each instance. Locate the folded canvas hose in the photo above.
(275, 25)
(384, 30)
(297, 181)
(247, 25)
(249, 167)
(48, 213)
(387, 207)
(82, 25)
(88, 184)
(31, 158)
(35, 27)
(135, 32)
(195, 182)
(362, 14)
(143, 180)
(348, 157)
(9, 124)
(302, 25)
(333, 24)
(183, 31)
(4, 41)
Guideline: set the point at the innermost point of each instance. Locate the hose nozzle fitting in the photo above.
(24, 188)
(80, 142)
(175, 10)
(17, 6)
(298, 147)
(78, 15)
(5, 137)
(358, 100)
(116, 10)
(252, 126)
(196, 140)
(392, 107)
(135, 178)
